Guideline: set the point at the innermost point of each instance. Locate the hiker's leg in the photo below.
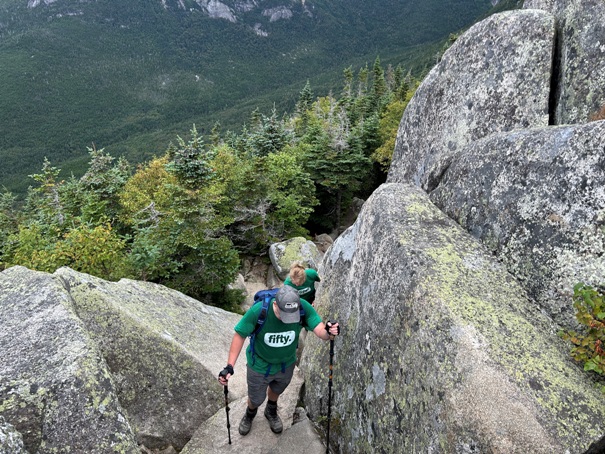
(271, 395)
(257, 390)
(279, 382)
(257, 387)
(277, 386)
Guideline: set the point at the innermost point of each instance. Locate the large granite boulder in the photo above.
(579, 73)
(55, 387)
(496, 77)
(295, 249)
(536, 199)
(163, 349)
(441, 350)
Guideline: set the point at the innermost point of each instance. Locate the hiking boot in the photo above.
(274, 420)
(246, 423)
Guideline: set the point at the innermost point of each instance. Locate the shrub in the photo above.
(589, 344)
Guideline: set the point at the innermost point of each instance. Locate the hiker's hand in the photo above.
(225, 374)
(333, 328)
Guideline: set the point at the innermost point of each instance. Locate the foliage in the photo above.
(93, 250)
(190, 161)
(229, 299)
(8, 218)
(147, 188)
(589, 345)
(389, 124)
(175, 228)
(184, 218)
(268, 135)
(30, 247)
(291, 193)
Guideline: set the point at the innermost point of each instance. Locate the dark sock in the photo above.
(273, 403)
(251, 413)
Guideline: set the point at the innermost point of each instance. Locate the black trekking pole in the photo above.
(227, 411)
(330, 393)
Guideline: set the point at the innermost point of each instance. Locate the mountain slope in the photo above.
(130, 76)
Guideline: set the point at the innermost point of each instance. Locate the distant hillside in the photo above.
(130, 76)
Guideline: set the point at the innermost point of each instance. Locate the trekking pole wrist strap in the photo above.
(227, 370)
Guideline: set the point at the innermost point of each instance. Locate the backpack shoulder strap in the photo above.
(262, 316)
(267, 296)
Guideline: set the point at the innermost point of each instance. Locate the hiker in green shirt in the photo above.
(303, 279)
(271, 356)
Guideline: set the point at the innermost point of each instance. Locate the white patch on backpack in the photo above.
(280, 339)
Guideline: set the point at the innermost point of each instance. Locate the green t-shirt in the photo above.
(307, 289)
(276, 342)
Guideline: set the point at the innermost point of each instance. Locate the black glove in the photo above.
(329, 325)
(227, 370)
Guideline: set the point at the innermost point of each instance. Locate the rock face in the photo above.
(100, 367)
(441, 349)
(55, 388)
(163, 349)
(580, 57)
(217, 10)
(531, 192)
(536, 199)
(494, 78)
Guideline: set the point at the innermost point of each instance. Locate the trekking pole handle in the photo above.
(329, 325)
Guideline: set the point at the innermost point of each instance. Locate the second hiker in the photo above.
(271, 356)
(303, 280)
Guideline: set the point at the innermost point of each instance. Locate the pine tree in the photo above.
(346, 97)
(305, 99)
(190, 161)
(44, 201)
(379, 86)
(215, 134)
(270, 135)
(335, 158)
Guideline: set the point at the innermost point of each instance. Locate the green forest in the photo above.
(186, 217)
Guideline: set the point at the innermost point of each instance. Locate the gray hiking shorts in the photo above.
(258, 383)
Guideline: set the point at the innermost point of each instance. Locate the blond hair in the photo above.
(297, 273)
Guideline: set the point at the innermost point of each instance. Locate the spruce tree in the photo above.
(305, 99)
(379, 86)
(190, 161)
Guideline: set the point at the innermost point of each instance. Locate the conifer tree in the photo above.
(97, 190)
(270, 135)
(215, 134)
(190, 161)
(9, 219)
(346, 97)
(379, 86)
(44, 202)
(335, 157)
(305, 99)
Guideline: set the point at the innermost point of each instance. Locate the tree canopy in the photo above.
(185, 219)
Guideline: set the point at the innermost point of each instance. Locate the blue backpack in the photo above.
(265, 297)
